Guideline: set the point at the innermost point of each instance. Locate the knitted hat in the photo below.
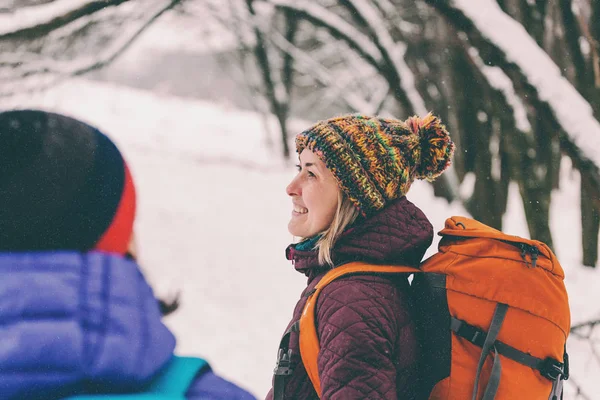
(63, 186)
(375, 160)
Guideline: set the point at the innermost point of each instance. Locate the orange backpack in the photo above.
(491, 315)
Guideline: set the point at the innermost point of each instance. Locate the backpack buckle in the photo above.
(284, 361)
(473, 335)
(468, 332)
(552, 369)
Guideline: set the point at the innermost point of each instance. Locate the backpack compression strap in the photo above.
(549, 368)
(488, 345)
(309, 341)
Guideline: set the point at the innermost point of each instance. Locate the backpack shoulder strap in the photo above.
(309, 341)
(178, 375)
(171, 383)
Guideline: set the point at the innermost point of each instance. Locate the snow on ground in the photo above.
(212, 224)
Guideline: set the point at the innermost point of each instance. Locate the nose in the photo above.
(293, 189)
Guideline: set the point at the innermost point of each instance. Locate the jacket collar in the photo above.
(81, 318)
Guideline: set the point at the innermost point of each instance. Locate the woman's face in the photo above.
(314, 192)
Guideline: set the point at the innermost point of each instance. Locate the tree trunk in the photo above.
(572, 37)
(536, 185)
(590, 223)
(278, 108)
(595, 32)
(536, 202)
(584, 81)
(387, 66)
(533, 20)
(475, 135)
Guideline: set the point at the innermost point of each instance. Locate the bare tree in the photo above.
(396, 41)
(393, 57)
(44, 43)
(278, 87)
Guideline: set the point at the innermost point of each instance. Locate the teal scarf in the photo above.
(308, 244)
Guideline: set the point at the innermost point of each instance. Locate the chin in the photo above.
(293, 230)
(298, 232)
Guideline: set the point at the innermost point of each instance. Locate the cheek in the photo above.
(330, 206)
(325, 208)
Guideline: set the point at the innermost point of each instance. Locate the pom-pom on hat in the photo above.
(63, 186)
(375, 160)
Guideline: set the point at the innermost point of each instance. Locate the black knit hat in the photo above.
(61, 183)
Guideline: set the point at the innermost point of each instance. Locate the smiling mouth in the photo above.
(299, 210)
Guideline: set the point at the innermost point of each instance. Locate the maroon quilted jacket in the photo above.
(368, 345)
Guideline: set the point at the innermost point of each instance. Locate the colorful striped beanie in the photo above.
(375, 160)
(63, 186)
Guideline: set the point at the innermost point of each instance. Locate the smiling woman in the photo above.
(349, 205)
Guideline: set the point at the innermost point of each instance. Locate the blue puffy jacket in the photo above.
(73, 323)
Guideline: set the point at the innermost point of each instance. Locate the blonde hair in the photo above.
(345, 215)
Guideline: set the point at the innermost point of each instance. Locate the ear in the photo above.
(132, 249)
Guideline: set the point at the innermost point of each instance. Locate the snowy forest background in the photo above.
(204, 96)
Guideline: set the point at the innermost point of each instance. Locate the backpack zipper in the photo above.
(533, 252)
(525, 248)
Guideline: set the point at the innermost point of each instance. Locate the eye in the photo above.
(310, 174)
(298, 167)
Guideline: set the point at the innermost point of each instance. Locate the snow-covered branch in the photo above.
(385, 55)
(123, 44)
(392, 52)
(535, 76)
(320, 73)
(588, 326)
(498, 80)
(32, 22)
(335, 25)
(56, 70)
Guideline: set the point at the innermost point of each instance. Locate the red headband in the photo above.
(116, 238)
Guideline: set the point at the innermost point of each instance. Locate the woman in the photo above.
(77, 316)
(349, 205)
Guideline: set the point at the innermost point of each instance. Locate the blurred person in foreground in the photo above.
(77, 318)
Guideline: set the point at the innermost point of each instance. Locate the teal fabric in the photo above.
(171, 384)
(308, 244)
(178, 376)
